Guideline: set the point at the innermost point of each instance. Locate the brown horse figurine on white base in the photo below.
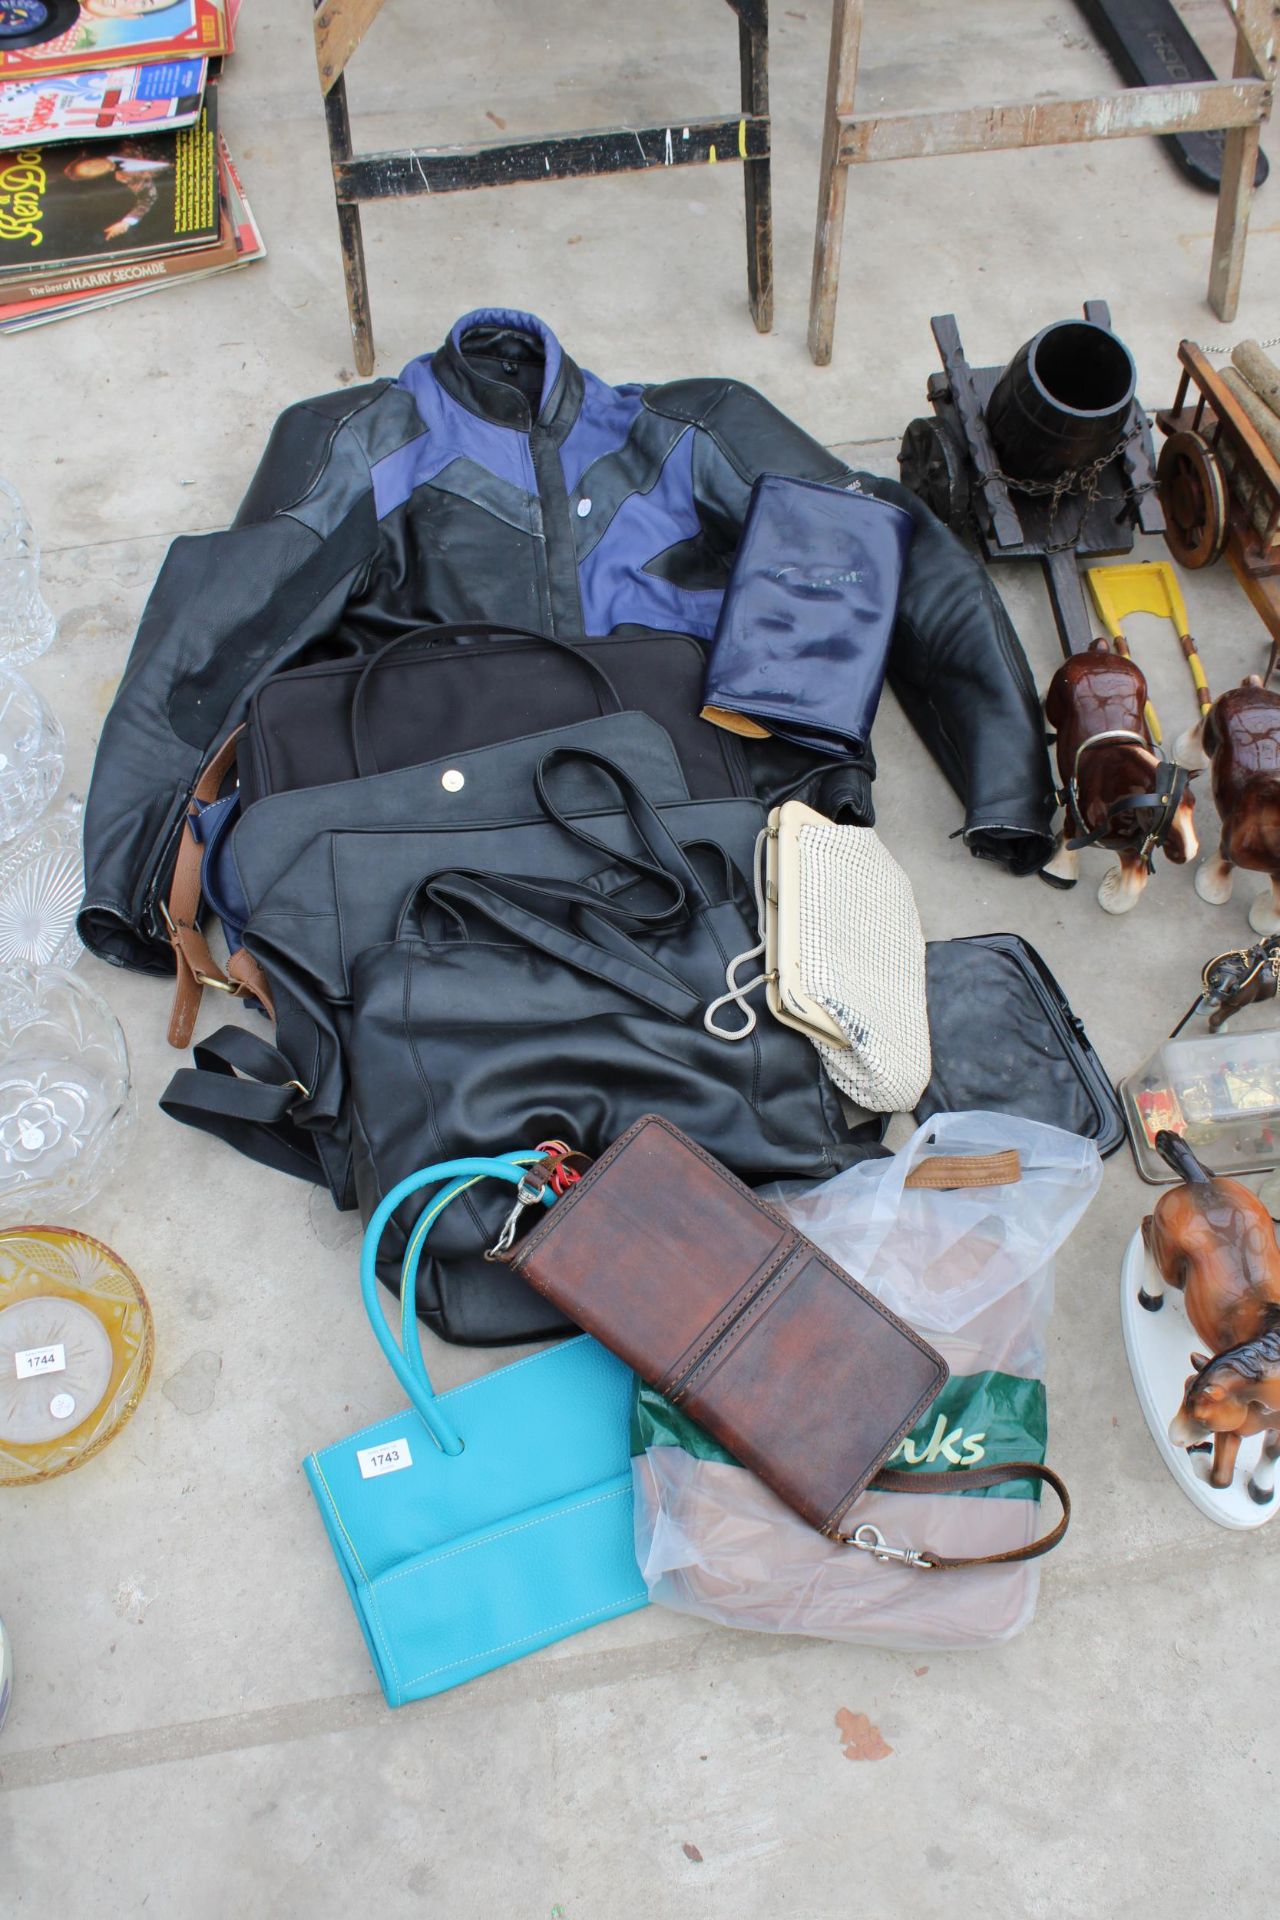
(1239, 738)
(1118, 791)
(1229, 1397)
(1214, 1241)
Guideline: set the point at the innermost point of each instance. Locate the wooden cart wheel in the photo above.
(1193, 494)
(932, 463)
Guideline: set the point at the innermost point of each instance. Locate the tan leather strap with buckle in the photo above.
(892, 1480)
(947, 1171)
(196, 966)
(249, 981)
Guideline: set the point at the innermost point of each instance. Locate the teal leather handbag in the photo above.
(480, 1524)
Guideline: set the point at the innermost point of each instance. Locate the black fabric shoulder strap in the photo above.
(663, 862)
(645, 818)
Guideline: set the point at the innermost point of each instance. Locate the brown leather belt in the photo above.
(196, 966)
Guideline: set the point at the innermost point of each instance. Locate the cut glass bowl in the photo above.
(30, 755)
(66, 1105)
(60, 1290)
(41, 882)
(27, 625)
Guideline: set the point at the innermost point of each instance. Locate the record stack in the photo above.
(114, 177)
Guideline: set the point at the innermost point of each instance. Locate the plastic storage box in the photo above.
(1220, 1091)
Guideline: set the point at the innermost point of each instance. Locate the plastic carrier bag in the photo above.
(972, 1270)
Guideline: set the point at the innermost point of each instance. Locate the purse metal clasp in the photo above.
(870, 1540)
(531, 1189)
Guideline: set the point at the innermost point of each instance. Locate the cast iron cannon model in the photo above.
(1049, 458)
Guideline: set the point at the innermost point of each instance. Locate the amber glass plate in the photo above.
(76, 1344)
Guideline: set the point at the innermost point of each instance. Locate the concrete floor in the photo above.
(195, 1729)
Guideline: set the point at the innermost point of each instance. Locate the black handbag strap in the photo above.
(242, 1091)
(361, 742)
(656, 836)
(636, 974)
(666, 865)
(565, 893)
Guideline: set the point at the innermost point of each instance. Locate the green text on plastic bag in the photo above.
(979, 1419)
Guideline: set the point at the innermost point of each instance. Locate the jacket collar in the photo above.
(469, 367)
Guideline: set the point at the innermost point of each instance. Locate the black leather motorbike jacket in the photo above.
(496, 480)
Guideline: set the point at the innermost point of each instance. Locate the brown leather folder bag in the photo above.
(715, 1299)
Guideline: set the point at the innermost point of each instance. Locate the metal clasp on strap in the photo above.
(738, 990)
(232, 987)
(871, 1540)
(531, 1189)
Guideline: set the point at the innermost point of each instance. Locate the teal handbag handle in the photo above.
(460, 1174)
(410, 1345)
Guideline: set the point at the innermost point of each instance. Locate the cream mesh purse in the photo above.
(844, 957)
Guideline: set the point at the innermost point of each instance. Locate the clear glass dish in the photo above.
(31, 743)
(27, 624)
(41, 883)
(66, 1104)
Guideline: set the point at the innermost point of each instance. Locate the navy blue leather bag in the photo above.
(805, 624)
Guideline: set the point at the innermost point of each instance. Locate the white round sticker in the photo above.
(62, 1406)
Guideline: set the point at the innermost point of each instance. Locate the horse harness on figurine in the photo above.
(1170, 790)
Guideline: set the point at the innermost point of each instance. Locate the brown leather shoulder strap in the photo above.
(890, 1480)
(947, 1171)
(195, 964)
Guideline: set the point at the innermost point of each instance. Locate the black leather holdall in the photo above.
(446, 690)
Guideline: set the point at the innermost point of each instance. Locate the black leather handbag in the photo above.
(313, 900)
(532, 1010)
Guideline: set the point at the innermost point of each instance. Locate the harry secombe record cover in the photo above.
(53, 296)
(109, 199)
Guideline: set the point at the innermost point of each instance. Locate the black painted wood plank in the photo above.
(566, 156)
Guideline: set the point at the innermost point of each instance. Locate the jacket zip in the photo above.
(559, 548)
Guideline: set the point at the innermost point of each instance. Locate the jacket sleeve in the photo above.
(225, 609)
(955, 664)
(961, 677)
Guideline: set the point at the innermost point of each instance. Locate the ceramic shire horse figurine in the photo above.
(1237, 979)
(1214, 1242)
(1117, 790)
(1228, 1398)
(1239, 738)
